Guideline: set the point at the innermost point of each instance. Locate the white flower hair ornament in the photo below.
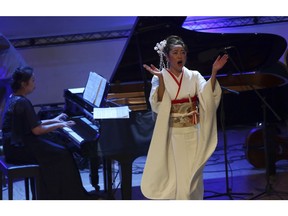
(159, 48)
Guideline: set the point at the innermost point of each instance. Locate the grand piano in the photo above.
(124, 140)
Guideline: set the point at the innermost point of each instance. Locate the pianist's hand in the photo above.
(61, 117)
(153, 70)
(68, 123)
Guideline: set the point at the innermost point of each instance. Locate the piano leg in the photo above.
(125, 175)
(94, 175)
(107, 174)
(126, 179)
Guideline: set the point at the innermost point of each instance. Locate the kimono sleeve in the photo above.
(153, 99)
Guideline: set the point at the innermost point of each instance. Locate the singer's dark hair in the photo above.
(173, 40)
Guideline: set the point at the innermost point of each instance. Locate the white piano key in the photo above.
(73, 134)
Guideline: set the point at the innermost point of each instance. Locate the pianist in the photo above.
(25, 141)
(185, 133)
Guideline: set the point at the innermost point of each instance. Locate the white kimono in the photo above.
(177, 156)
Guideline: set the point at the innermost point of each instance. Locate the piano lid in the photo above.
(249, 51)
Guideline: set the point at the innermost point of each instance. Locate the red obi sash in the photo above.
(185, 100)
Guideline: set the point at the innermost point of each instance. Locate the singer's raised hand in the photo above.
(153, 70)
(220, 62)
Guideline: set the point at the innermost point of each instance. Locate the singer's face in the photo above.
(177, 58)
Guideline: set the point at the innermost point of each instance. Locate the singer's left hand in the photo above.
(220, 62)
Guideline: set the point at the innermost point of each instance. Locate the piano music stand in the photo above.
(228, 192)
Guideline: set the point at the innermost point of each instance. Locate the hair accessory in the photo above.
(159, 48)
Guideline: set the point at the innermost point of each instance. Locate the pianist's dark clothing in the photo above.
(60, 178)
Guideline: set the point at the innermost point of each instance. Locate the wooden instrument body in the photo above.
(277, 147)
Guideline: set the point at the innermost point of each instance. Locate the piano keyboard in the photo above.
(73, 135)
(83, 131)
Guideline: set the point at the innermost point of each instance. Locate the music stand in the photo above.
(228, 192)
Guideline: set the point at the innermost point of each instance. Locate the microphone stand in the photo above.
(267, 150)
(222, 117)
(268, 189)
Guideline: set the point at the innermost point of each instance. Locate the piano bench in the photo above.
(11, 172)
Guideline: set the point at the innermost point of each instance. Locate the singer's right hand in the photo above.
(153, 70)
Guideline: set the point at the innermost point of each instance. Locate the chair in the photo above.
(28, 172)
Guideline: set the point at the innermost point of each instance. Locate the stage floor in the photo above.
(243, 182)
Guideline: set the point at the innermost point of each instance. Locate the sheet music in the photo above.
(76, 90)
(95, 88)
(111, 112)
